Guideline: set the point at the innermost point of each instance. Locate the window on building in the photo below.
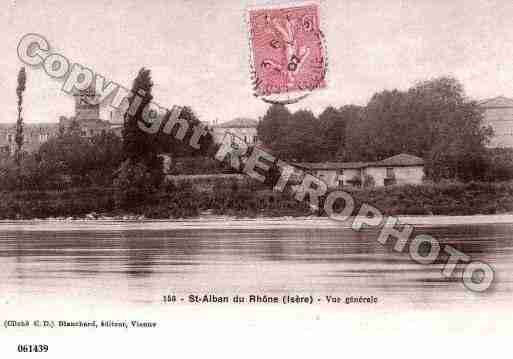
(254, 139)
(245, 139)
(390, 172)
(340, 178)
(389, 179)
(43, 137)
(9, 137)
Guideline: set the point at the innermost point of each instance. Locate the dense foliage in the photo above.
(178, 148)
(499, 164)
(141, 171)
(72, 175)
(433, 120)
(66, 161)
(246, 200)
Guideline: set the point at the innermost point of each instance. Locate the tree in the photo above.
(181, 148)
(332, 129)
(500, 164)
(22, 78)
(334, 124)
(459, 150)
(273, 125)
(294, 137)
(384, 128)
(141, 173)
(301, 140)
(78, 160)
(433, 120)
(137, 144)
(451, 135)
(347, 131)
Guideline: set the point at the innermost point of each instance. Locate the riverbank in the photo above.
(113, 224)
(452, 199)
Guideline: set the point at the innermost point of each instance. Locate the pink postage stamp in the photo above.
(287, 48)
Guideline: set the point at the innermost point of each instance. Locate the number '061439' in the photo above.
(29, 348)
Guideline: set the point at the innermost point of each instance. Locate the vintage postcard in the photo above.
(256, 178)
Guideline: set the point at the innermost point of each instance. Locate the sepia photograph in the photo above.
(256, 178)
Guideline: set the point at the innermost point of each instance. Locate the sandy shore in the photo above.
(213, 222)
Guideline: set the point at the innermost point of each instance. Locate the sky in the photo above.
(198, 50)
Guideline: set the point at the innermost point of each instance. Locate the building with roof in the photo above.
(34, 135)
(244, 128)
(400, 169)
(88, 127)
(498, 113)
(87, 114)
(87, 118)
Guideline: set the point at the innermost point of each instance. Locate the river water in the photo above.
(111, 263)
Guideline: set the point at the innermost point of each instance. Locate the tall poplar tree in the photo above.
(141, 172)
(139, 146)
(22, 79)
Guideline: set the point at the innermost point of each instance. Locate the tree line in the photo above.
(433, 119)
(131, 165)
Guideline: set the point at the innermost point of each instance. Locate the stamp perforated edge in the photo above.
(265, 4)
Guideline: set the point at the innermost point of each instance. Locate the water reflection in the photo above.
(141, 265)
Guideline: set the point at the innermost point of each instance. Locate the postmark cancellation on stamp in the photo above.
(287, 48)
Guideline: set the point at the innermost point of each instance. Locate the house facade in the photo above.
(498, 113)
(244, 128)
(87, 127)
(34, 136)
(399, 170)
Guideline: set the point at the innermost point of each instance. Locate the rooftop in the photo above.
(331, 165)
(240, 122)
(499, 101)
(12, 125)
(400, 160)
